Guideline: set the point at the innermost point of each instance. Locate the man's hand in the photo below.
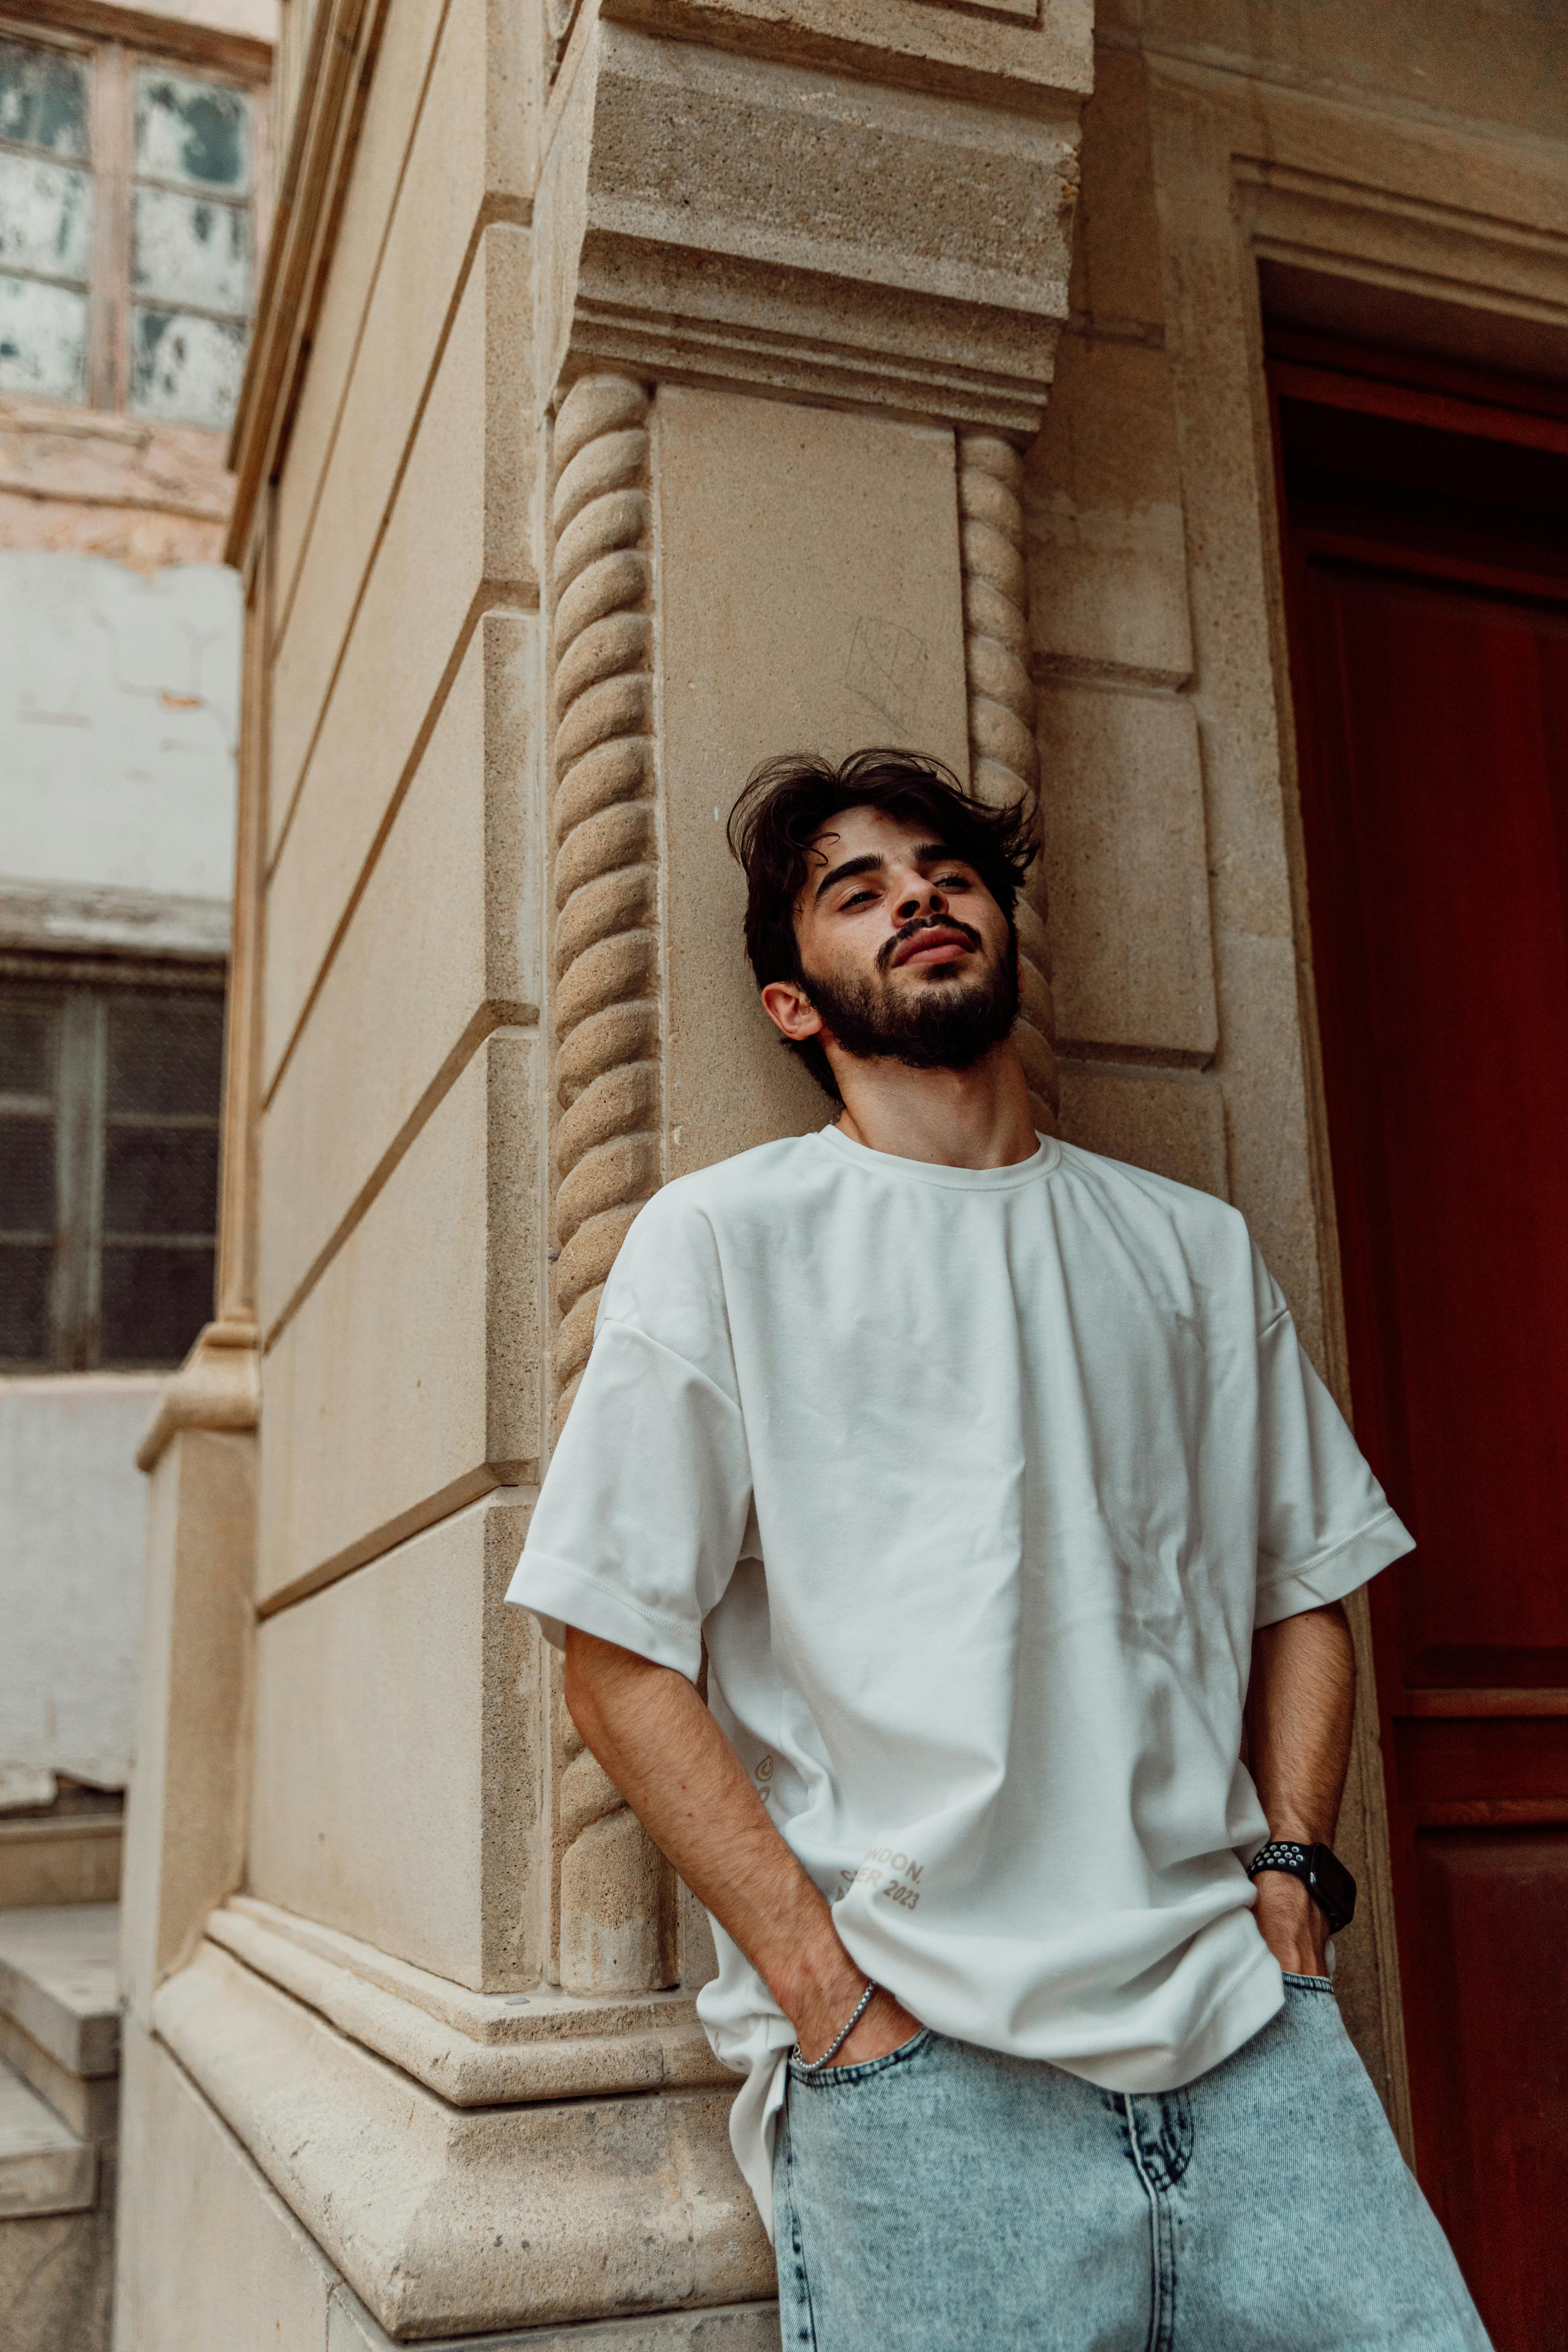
(687, 1786)
(1300, 1708)
(1292, 1926)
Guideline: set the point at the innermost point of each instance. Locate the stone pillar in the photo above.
(641, 390)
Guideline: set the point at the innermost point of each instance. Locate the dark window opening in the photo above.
(109, 1173)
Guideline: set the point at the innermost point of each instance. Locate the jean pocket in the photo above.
(1307, 1984)
(837, 2077)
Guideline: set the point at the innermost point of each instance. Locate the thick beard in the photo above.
(939, 1025)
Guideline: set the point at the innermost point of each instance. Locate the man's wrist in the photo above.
(819, 1988)
(1291, 1924)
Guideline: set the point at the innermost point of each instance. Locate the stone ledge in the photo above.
(218, 1386)
(58, 1982)
(449, 2222)
(44, 2167)
(475, 2049)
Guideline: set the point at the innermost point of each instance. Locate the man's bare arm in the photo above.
(687, 1786)
(1300, 1708)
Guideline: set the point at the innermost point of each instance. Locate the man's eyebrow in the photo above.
(870, 864)
(929, 853)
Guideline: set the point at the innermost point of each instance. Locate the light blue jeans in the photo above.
(946, 2198)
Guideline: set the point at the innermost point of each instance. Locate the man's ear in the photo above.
(790, 1010)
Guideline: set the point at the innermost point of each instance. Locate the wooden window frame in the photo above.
(115, 43)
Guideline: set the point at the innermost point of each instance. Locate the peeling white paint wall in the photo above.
(73, 1508)
(119, 715)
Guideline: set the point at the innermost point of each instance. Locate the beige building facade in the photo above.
(637, 389)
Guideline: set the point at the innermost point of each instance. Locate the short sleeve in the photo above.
(644, 1509)
(1324, 1525)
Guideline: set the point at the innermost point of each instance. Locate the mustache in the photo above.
(889, 948)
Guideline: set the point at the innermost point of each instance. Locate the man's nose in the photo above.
(919, 896)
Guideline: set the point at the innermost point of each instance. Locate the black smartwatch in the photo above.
(1320, 1872)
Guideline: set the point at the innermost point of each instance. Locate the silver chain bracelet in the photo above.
(814, 2066)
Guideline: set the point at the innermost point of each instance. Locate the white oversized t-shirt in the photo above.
(975, 1483)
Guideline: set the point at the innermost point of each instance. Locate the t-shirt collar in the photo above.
(952, 1179)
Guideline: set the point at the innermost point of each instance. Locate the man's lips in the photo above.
(936, 943)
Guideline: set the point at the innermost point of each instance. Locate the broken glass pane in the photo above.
(43, 340)
(184, 370)
(193, 133)
(188, 249)
(43, 99)
(46, 217)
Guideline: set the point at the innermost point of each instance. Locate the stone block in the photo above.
(1165, 1120)
(208, 2257)
(812, 601)
(418, 282)
(71, 1858)
(1117, 248)
(398, 1788)
(185, 1818)
(1125, 865)
(457, 537)
(392, 115)
(452, 2223)
(442, 945)
(1108, 566)
(407, 1382)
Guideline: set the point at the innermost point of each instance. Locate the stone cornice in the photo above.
(218, 1386)
(714, 216)
(333, 85)
(475, 2049)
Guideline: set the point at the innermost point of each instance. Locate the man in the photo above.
(985, 1468)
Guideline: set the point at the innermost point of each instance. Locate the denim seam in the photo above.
(803, 2282)
(1161, 2247)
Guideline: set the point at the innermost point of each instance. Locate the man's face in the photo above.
(905, 951)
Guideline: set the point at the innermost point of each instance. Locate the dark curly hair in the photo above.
(787, 802)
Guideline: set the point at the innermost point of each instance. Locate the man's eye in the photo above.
(860, 898)
(952, 881)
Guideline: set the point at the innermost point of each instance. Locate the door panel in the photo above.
(1432, 723)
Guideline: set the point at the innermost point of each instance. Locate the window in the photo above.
(127, 231)
(109, 1129)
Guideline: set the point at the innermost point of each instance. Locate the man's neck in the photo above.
(978, 1118)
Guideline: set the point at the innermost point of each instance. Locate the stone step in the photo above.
(44, 2166)
(59, 2009)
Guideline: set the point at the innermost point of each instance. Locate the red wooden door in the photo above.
(1429, 605)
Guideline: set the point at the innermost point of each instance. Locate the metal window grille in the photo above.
(109, 1142)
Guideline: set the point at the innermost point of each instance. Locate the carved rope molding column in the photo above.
(604, 1074)
(616, 1912)
(1004, 759)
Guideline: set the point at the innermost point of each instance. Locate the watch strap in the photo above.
(1320, 1870)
